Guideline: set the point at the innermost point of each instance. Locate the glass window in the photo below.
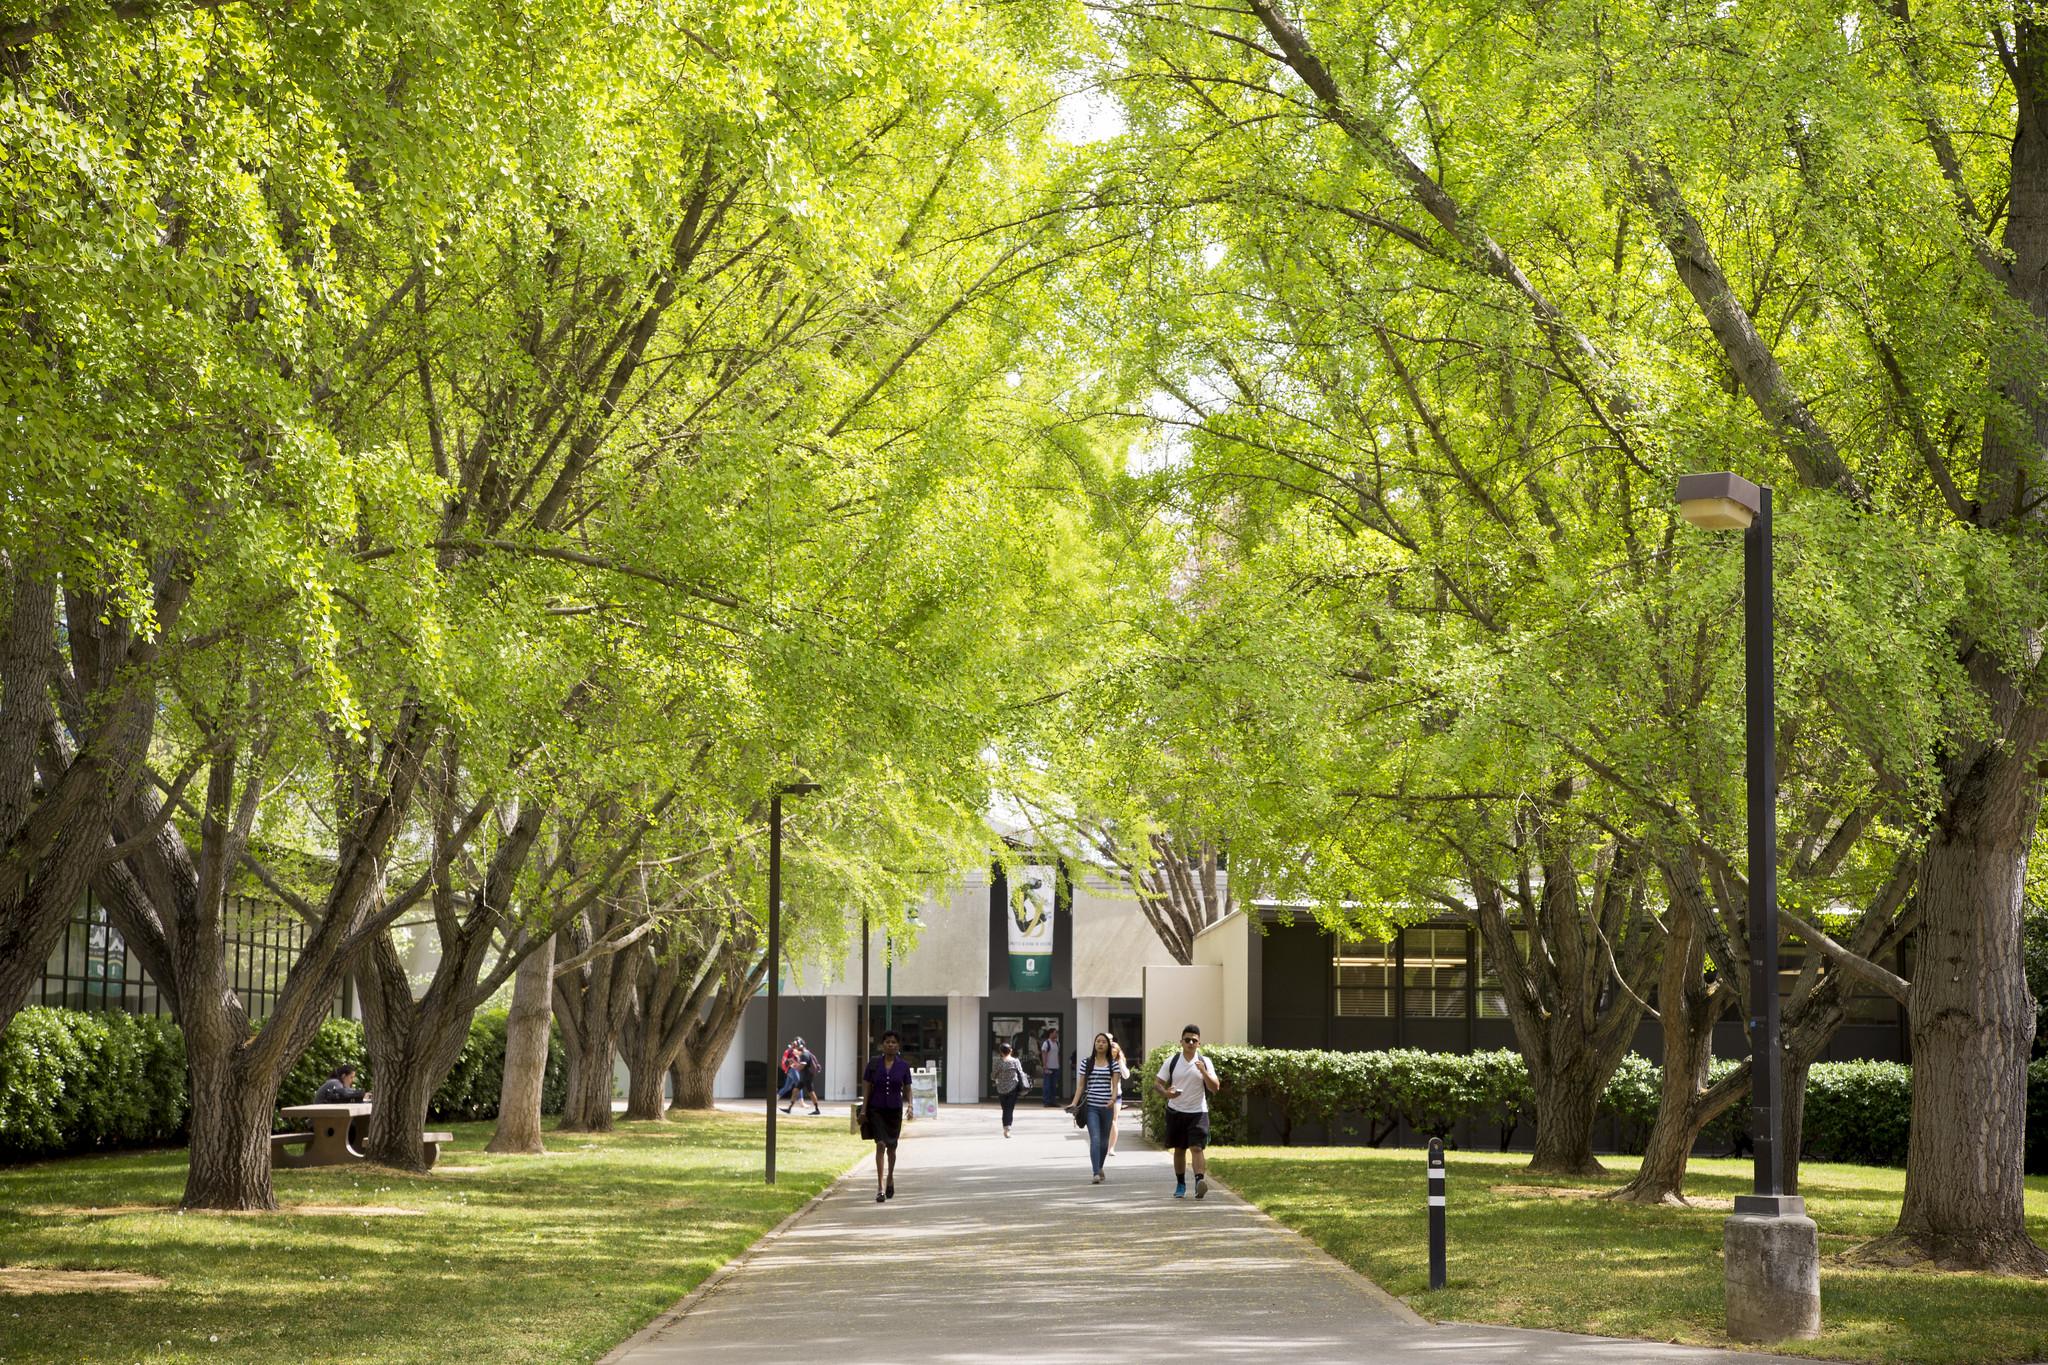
(1433, 973)
(1493, 1002)
(1365, 980)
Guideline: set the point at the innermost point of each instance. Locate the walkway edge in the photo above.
(1366, 1285)
(688, 1303)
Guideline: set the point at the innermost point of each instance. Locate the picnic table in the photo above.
(334, 1136)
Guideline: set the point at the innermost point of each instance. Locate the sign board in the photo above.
(1031, 927)
(924, 1092)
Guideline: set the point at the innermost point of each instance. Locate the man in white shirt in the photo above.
(1187, 1079)
(1049, 1063)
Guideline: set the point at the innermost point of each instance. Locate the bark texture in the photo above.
(1688, 1008)
(526, 1054)
(1574, 991)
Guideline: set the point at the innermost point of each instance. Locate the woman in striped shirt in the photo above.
(1096, 1093)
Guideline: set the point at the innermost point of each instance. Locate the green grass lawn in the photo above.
(554, 1258)
(1590, 1265)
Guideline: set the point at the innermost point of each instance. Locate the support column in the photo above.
(966, 1049)
(843, 1061)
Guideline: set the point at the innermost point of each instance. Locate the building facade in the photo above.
(950, 995)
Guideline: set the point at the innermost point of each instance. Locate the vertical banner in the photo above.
(1031, 904)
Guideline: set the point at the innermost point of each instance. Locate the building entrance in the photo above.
(1022, 1032)
(923, 1030)
(1129, 1032)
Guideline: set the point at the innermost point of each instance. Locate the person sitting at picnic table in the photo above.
(337, 1090)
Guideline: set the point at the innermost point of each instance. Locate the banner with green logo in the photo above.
(1031, 905)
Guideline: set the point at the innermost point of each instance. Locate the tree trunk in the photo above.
(693, 1080)
(1973, 1027)
(526, 1055)
(1688, 1009)
(588, 1105)
(229, 1155)
(645, 1090)
(1792, 1073)
(1567, 1102)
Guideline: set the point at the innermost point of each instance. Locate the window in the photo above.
(1433, 973)
(91, 968)
(1365, 980)
(1493, 1003)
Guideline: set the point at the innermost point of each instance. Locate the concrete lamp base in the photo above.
(1772, 1269)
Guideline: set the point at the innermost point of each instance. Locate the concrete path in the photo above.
(1002, 1251)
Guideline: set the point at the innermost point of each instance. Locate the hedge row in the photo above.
(72, 1081)
(1855, 1111)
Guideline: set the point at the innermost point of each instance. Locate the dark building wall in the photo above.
(1296, 1007)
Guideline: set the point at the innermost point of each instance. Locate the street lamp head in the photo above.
(797, 788)
(1718, 502)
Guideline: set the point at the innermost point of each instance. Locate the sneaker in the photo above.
(1201, 1186)
(1180, 1189)
(816, 1110)
(1096, 1179)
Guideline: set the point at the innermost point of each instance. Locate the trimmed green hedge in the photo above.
(72, 1081)
(1355, 1094)
(1855, 1111)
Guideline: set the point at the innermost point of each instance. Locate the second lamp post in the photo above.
(775, 951)
(1772, 1274)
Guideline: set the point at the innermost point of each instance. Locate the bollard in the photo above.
(1436, 1213)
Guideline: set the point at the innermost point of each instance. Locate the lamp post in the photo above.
(1772, 1247)
(860, 1067)
(775, 950)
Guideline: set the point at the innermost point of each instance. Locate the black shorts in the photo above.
(888, 1124)
(1187, 1130)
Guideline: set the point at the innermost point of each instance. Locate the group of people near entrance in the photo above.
(1186, 1079)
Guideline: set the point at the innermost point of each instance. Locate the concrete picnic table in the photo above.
(334, 1136)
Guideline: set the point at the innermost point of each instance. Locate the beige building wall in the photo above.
(1226, 945)
(1113, 941)
(949, 955)
(1178, 996)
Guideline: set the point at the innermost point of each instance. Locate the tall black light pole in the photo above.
(1772, 1248)
(775, 950)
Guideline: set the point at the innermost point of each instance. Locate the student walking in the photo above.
(812, 1068)
(790, 1083)
(1187, 1079)
(885, 1089)
(1049, 1063)
(1007, 1080)
(1096, 1093)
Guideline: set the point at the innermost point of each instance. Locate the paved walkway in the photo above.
(1002, 1251)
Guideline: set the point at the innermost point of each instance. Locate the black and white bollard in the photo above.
(1436, 1213)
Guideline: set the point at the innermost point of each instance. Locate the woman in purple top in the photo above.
(885, 1089)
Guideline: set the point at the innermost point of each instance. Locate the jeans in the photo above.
(792, 1084)
(1010, 1105)
(1100, 1117)
(1052, 1086)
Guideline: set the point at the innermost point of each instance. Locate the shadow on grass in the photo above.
(524, 1260)
(1596, 1265)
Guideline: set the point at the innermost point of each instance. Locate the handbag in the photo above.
(1081, 1100)
(866, 1122)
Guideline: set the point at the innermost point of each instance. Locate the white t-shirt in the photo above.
(1194, 1095)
